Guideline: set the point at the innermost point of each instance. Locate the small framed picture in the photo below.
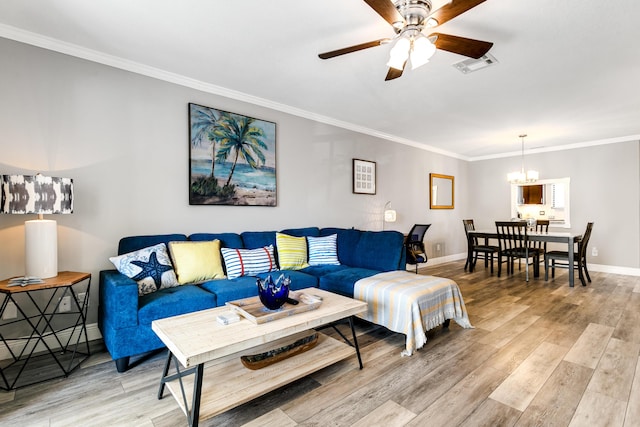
(364, 177)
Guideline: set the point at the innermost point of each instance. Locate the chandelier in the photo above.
(522, 177)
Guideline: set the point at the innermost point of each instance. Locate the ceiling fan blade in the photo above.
(387, 10)
(461, 45)
(453, 9)
(394, 73)
(350, 49)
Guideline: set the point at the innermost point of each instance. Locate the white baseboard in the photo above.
(627, 271)
(93, 333)
(436, 261)
(613, 269)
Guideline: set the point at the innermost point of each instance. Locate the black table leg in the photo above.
(193, 415)
(197, 394)
(165, 372)
(355, 341)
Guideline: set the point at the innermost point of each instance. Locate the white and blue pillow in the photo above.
(150, 267)
(323, 250)
(248, 262)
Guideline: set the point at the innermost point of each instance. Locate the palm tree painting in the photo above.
(232, 159)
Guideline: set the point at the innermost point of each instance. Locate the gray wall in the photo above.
(605, 189)
(123, 138)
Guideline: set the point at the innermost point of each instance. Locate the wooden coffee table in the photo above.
(208, 376)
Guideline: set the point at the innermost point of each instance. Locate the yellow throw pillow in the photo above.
(292, 252)
(196, 262)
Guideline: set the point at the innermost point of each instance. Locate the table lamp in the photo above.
(38, 194)
(389, 214)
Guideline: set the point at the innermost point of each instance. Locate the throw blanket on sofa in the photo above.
(411, 304)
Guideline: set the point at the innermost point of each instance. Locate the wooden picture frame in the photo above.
(441, 191)
(364, 176)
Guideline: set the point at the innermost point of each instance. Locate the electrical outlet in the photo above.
(81, 297)
(594, 251)
(438, 247)
(10, 311)
(65, 304)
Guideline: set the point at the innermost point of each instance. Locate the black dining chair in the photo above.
(477, 250)
(414, 245)
(561, 259)
(513, 240)
(542, 226)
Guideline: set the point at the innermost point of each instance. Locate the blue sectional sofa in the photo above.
(125, 317)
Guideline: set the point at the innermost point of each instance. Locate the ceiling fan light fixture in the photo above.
(399, 54)
(421, 51)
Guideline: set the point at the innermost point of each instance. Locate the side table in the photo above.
(44, 343)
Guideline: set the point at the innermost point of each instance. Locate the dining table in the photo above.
(567, 237)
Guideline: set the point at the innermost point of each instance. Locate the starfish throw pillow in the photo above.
(150, 267)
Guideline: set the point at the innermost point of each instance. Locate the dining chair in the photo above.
(413, 242)
(513, 240)
(477, 250)
(561, 259)
(542, 226)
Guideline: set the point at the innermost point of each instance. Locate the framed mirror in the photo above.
(441, 191)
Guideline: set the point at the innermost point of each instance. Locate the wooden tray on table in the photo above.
(252, 309)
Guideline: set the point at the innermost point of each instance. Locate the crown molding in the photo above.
(52, 44)
(629, 138)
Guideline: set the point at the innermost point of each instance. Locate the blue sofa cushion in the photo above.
(258, 239)
(229, 290)
(134, 243)
(321, 270)
(348, 239)
(302, 232)
(342, 281)
(172, 302)
(227, 240)
(246, 286)
(372, 250)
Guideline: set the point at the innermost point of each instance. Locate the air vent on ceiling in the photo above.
(470, 65)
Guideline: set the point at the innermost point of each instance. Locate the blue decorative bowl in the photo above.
(273, 295)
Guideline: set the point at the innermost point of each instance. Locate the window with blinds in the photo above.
(557, 196)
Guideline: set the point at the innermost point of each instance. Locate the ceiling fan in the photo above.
(409, 18)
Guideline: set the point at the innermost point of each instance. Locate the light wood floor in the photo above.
(541, 354)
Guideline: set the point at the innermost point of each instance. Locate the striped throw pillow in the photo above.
(323, 250)
(248, 262)
(292, 252)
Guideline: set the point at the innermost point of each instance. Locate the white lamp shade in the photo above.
(532, 175)
(422, 51)
(399, 54)
(41, 248)
(390, 215)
